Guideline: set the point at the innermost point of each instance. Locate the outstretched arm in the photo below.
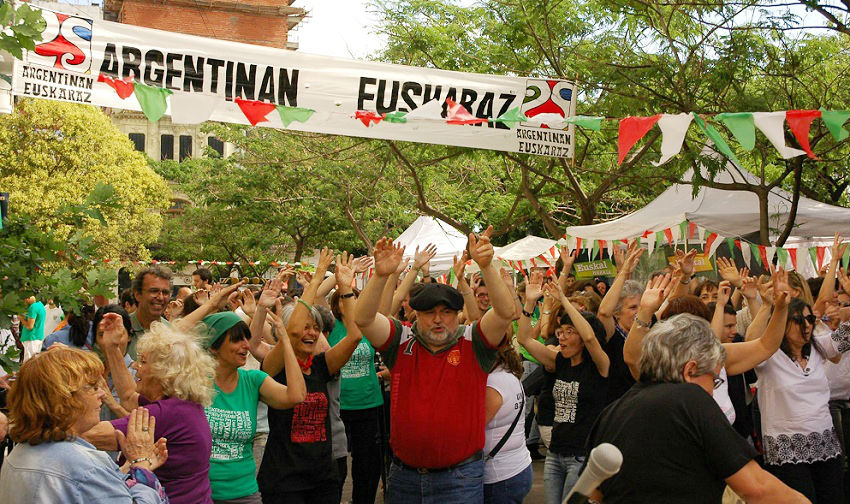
(650, 301)
(828, 286)
(214, 304)
(588, 337)
(495, 322)
(376, 327)
(282, 356)
(546, 356)
(420, 259)
(470, 305)
(741, 357)
(612, 296)
(337, 356)
(301, 313)
(115, 337)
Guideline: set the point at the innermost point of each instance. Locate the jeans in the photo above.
(560, 473)
(364, 441)
(510, 491)
(462, 485)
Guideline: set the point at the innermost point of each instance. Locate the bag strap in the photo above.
(510, 431)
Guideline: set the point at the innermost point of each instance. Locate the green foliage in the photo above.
(19, 29)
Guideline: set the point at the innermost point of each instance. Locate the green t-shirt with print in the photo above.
(359, 386)
(535, 316)
(233, 423)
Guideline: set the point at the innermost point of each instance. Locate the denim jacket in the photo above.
(66, 472)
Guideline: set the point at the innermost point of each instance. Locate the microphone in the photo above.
(604, 461)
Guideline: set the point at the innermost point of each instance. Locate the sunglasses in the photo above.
(811, 319)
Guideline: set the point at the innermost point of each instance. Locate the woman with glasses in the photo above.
(800, 443)
(581, 367)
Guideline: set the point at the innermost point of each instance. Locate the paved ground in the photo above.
(535, 496)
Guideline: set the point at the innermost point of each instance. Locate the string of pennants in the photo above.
(187, 108)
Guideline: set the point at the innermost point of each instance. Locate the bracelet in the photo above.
(641, 323)
(546, 312)
(142, 459)
(526, 313)
(346, 296)
(684, 282)
(464, 293)
(305, 303)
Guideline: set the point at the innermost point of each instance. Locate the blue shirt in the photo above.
(73, 472)
(64, 336)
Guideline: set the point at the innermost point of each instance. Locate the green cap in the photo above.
(217, 324)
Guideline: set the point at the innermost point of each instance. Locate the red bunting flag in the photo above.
(553, 253)
(793, 253)
(738, 244)
(578, 243)
(631, 130)
(603, 244)
(124, 87)
(457, 114)
(708, 241)
(669, 234)
(821, 251)
(800, 121)
(763, 255)
(255, 111)
(533, 263)
(692, 228)
(543, 257)
(368, 118)
(648, 233)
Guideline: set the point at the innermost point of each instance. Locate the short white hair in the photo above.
(670, 344)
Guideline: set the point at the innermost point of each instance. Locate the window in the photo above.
(185, 147)
(216, 145)
(166, 147)
(138, 140)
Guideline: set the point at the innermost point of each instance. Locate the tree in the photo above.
(24, 28)
(55, 153)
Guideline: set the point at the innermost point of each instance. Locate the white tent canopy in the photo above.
(449, 241)
(728, 213)
(526, 248)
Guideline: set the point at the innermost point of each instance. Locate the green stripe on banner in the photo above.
(755, 253)
(782, 255)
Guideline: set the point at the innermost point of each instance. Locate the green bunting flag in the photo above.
(845, 259)
(595, 251)
(813, 254)
(288, 115)
(683, 232)
(513, 115)
(152, 100)
(587, 122)
(396, 117)
(715, 137)
(452, 277)
(834, 120)
(659, 239)
(782, 256)
(730, 242)
(756, 253)
(742, 127)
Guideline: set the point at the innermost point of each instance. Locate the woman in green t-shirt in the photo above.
(233, 413)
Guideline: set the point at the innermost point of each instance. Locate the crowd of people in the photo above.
(713, 391)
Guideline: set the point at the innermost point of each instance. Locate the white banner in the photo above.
(98, 62)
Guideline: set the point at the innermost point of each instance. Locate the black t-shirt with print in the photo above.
(580, 393)
(619, 377)
(678, 447)
(298, 453)
(545, 402)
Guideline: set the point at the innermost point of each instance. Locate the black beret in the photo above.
(433, 294)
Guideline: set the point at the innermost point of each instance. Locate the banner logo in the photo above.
(543, 96)
(68, 45)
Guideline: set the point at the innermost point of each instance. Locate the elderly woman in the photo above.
(56, 398)
(173, 381)
(677, 446)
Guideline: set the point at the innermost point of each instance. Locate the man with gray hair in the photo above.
(677, 445)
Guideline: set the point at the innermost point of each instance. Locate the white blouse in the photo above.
(513, 457)
(794, 403)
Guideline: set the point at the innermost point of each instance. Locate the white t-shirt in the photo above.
(513, 458)
(838, 375)
(53, 317)
(721, 397)
(794, 402)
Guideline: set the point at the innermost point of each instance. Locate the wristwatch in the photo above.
(641, 323)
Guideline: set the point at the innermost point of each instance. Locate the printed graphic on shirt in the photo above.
(230, 431)
(566, 401)
(360, 364)
(308, 419)
(454, 357)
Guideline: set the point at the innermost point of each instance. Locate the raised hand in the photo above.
(779, 278)
(534, 288)
(249, 305)
(459, 266)
(362, 264)
(766, 292)
(480, 248)
(568, 258)
(507, 278)
(174, 309)
(655, 293)
(843, 279)
(685, 262)
(553, 290)
(285, 273)
(633, 257)
(201, 296)
(113, 331)
(619, 256)
(728, 271)
(422, 257)
(220, 295)
(838, 248)
(269, 295)
(326, 257)
(344, 271)
(724, 292)
(402, 266)
(276, 320)
(748, 287)
(387, 256)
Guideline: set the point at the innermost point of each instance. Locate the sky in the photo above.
(341, 28)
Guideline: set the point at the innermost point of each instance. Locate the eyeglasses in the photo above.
(155, 292)
(811, 319)
(482, 296)
(91, 388)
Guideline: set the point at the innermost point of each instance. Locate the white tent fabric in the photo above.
(728, 213)
(449, 241)
(526, 248)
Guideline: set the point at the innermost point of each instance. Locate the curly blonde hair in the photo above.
(44, 401)
(179, 362)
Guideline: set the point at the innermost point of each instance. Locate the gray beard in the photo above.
(437, 342)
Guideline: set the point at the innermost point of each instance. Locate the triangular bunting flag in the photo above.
(610, 247)
(800, 121)
(396, 117)
(595, 250)
(716, 139)
(709, 244)
(255, 111)
(782, 257)
(701, 233)
(549, 119)
(730, 242)
(673, 128)
(755, 251)
(192, 108)
(431, 110)
(457, 114)
(544, 259)
(834, 120)
(288, 115)
(124, 87)
(452, 277)
(845, 259)
(821, 251)
(745, 252)
(668, 233)
(762, 254)
(512, 116)
(770, 253)
(578, 244)
(683, 233)
(152, 100)
(772, 125)
(587, 122)
(659, 239)
(813, 256)
(792, 253)
(554, 253)
(650, 246)
(368, 118)
(742, 127)
(631, 130)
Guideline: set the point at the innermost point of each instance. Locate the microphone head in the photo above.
(605, 460)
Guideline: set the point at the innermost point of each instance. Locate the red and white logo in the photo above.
(66, 43)
(454, 357)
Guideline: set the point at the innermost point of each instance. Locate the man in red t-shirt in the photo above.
(439, 377)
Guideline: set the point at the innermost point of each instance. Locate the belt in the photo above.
(475, 457)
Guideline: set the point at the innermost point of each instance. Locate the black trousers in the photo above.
(821, 482)
(364, 441)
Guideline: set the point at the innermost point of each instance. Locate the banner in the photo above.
(101, 63)
(702, 262)
(592, 269)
